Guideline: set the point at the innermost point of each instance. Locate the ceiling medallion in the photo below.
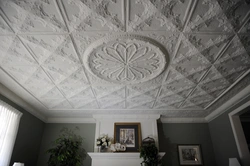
(126, 59)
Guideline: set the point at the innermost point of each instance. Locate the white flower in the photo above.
(109, 143)
(98, 142)
(103, 139)
(104, 144)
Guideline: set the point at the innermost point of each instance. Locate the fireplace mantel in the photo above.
(105, 125)
(121, 159)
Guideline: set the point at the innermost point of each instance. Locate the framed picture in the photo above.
(190, 154)
(128, 134)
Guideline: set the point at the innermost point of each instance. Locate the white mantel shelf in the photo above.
(121, 159)
(123, 155)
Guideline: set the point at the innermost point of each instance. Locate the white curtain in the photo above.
(9, 123)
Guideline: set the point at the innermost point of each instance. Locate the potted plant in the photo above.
(150, 156)
(67, 149)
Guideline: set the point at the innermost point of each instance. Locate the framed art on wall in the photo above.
(128, 134)
(189, 154)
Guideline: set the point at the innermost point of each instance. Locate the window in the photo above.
(9, 123)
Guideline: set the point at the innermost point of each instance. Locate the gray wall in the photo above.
(26, 148)
(52, 131)
(172, 134)
(223, 138)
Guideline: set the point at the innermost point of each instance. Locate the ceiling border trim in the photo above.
(71, 120)
(19, 101)
(244, 93)
(183, 120)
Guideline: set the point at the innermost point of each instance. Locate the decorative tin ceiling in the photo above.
(178, 58)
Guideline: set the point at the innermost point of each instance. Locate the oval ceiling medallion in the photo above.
(125, 59)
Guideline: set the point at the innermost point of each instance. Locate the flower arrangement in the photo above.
(103, 141)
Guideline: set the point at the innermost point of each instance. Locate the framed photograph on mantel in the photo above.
(128, 134)
(189, 154)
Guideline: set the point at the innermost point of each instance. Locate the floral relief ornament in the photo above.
(128, 59)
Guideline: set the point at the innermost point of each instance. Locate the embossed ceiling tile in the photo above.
(146, 91)
(186, 49)
(52, 94)
(62, 105)
(161, 105)
(90, 105)
(217, 92)
(94, 80)
(83, 103)
(34, 16)
(208, 17)
(147, 105)
(131, 92)
(115, 91)
(197, 92)
(209, 45)
(84, 40)
(246, 27)
(156, 15)
(202, 99)
(5, 44)
(50, 103)
(119, 105)
(213, 74)
(120, 93)
(245, 40)
(189, 105)
(235, 49)
(197, 76)
(75, 84)
(17, 54)
(179, 85)
(167, 38)
(235, 10)
(42, 46)
(39, 83)
(4, 28)
(215, 85)
(67, 51)
(172, 99)
(137, 102)
(94, 15)
(228, 68)
(185, 93)
(60, 68)
(20, 73)
(109, 102)
(14, 13)
(141, 96)
(78, 78)
(87, 92)
(173, 75)
(164, 91)
(195, 64)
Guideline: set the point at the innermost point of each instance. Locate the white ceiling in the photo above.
(177, 58)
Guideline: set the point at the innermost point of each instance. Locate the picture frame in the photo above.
(190, 155)
(128, 134)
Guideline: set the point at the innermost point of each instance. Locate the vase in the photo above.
(103, 148)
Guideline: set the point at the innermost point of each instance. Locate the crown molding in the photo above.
(183, 120)
(16, 99)
(71, 120)
(229, 104)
